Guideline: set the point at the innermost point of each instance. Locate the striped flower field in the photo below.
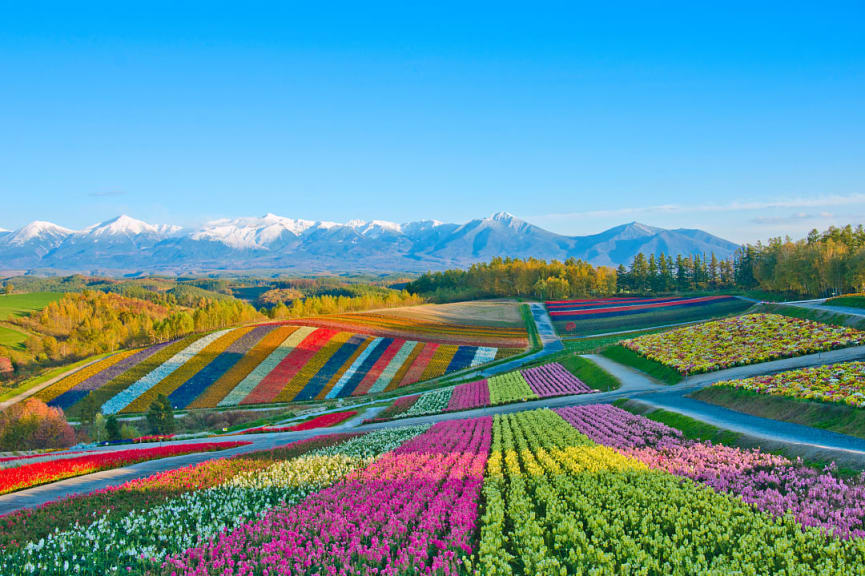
(263, 364)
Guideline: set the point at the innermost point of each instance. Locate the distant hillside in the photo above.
(126, 245)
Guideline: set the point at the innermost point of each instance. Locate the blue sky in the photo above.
(745, 119)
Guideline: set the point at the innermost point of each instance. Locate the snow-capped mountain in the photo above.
(125, 244)
(125, 226)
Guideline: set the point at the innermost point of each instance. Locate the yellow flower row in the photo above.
(79, 376)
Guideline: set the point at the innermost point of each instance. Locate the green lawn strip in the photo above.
(12, 338)
(654, 369)
(822, 316)
(850, 301)
(653, 318)
(47, 375)
(12, 305)
(830, 416)
(591, 374)
(531, 328)
(700, 431)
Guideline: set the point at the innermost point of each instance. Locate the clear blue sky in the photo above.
(746, 119)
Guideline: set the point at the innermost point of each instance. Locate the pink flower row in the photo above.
(413, 510)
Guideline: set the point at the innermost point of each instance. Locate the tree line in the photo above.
(84, 324)
(508, 277)
(822, 264)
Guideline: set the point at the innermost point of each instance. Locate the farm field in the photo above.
(576, 490)
(261, 364)
(495, 313)
(579, 318)
(398, 324)
(543, 381)
(740, 340)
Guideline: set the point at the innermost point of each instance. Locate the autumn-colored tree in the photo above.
(31, 425)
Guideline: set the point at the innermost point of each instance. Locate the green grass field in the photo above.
(651, 318)
(18, 305)
(654, 369)
(12, 305)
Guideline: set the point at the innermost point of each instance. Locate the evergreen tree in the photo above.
(160, 416)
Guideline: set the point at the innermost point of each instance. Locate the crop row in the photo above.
(34, 473)
(259, 365)
(557, 503)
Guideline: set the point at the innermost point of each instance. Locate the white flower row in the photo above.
(431, 403)
(126, 396)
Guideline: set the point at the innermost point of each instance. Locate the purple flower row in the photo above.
(771, 483)
(414, 510)
(554, 380)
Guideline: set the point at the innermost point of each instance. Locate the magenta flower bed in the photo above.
(470, 395)
(771, 483)
(554, 380)
(413, 511)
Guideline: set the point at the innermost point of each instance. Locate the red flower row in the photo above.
(25, 476)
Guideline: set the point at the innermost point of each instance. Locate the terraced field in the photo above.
(266, 364)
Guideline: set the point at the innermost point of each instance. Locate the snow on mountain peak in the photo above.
(39, 229)
(503, 217)
(251, 232)
(124, 225)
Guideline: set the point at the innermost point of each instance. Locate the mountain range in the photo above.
(124, 245)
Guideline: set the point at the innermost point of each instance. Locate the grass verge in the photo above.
(849, 301)
(824, 415)
(531, 328)
(654, 369)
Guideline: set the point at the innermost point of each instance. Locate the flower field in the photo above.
(580, 490)
(741, 340)
(323, 421)
(202, 501)
(544, 381)
(264, 364)
(410, 328)
(598, 315)
(33, 472)
(843, 383)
